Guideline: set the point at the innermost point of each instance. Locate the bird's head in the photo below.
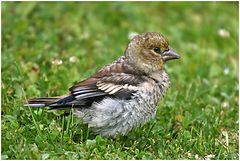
(148, 52)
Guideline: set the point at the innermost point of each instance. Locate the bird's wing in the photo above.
(115, 85)
(114, 80)
(119, 85)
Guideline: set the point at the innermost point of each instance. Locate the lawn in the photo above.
(49, 46)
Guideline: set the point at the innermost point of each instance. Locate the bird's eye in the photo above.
(157, 50)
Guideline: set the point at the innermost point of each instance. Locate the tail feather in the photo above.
(41, 102)
(62, 102)
(48, 101)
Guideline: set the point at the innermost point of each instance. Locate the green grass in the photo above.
(196, 117)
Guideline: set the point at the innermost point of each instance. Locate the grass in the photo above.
(198, 116)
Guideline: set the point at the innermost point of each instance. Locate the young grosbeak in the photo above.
(124, 94)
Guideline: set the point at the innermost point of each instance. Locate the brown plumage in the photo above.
(124, 94)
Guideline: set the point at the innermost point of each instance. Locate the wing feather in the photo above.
(120, 85)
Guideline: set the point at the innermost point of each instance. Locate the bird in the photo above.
(124, 94)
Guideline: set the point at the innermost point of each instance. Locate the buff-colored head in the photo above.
(148, 52)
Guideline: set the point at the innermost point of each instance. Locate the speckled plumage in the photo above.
(124, 94)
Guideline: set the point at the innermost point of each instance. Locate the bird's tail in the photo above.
(41, 102)
(47, 101)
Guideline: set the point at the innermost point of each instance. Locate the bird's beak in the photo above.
(170, 54)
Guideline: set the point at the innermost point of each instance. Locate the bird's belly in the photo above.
(113, 116)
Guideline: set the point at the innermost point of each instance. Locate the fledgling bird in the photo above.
(124, 94)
